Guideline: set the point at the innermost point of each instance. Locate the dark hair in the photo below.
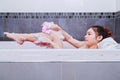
(102, 31)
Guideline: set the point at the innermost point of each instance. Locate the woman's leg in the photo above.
(49, 40)
(42, 39)
(20, 38)
(56, 41)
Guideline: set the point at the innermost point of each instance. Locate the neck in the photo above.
(93, 47)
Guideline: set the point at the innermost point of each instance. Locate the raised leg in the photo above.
(19, 39)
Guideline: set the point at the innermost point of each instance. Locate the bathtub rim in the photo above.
(62, 55)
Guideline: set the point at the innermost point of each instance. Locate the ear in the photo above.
(99, 38)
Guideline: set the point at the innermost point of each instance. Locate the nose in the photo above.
(85, 37)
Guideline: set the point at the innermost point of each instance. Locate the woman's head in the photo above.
(102, 31)
(96, 34)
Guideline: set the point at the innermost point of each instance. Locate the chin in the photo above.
(87, 43)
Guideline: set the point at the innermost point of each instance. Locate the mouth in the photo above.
(86, 40)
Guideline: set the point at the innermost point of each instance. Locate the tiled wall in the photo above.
(117, 25)
(75, 24)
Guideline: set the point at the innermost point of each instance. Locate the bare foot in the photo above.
(15, 37)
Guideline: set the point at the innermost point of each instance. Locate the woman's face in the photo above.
(91, 37)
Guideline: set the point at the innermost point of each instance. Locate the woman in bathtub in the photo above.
(49, 36)
(97, 37)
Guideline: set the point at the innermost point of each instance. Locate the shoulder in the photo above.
(83, 45)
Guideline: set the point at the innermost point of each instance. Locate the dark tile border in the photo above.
(57, 15)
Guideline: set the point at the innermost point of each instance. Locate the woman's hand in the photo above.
(55, 27)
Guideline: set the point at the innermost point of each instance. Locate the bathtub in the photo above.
(31, 62)
(10, 51)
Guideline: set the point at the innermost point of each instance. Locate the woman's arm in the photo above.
(68, 37)
(76, 43)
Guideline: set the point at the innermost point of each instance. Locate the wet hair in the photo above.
(102, 31)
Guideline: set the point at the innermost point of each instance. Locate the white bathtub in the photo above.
(28, 52)
(31, 62)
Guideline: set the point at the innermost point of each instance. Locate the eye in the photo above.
(89, 34)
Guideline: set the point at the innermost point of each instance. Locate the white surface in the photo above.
(58, 6)
(58, 55)
(12, 52)
(117, 5)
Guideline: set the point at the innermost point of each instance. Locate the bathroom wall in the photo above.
(117, 25)
(117, 5)
(16, 16)
(117, 20)
(58, 6)
(75, 24)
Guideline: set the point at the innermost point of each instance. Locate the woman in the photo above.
(97, 37)
(49, 36)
